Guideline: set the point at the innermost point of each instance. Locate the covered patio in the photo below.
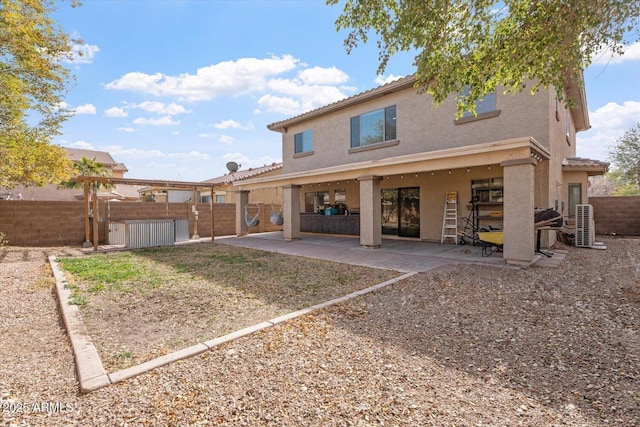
(395, 254)
(520, 164)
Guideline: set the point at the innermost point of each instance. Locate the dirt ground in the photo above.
(204, 296)
(458, 346)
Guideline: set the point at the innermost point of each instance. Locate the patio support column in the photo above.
(212, 221)
(96, 217)
(87, 226)
(194, 209)
(519, 204)
(370, 211)
(242, 200)
(291, 212)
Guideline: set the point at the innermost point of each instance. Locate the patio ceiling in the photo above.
(476, 155)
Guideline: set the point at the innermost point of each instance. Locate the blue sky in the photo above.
(176, 89)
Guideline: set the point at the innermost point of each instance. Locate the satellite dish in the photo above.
(232, 167)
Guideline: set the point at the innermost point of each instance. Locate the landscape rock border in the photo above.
(90, 370)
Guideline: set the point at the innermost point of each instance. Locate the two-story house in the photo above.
(390, 156)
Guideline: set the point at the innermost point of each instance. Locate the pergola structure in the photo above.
(91, 186)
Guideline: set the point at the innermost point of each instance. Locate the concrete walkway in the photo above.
(399, 255)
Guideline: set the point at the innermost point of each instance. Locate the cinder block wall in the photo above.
(33, 223)
(619, 215)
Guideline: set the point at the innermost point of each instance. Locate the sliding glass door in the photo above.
(401, 212)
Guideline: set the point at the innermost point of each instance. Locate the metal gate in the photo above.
(147, 232)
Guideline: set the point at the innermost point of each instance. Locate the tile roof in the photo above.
(401, 83)
(76, 154)
(48, 192)
(584, 164)
(244, 174)
(120, 167)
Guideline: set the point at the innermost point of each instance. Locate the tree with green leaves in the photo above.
(33, 82)
(88, 167)
(625, 155)
(480, 45)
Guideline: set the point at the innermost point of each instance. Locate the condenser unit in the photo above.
(585, 226)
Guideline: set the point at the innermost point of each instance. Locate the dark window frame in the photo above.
(387, 133)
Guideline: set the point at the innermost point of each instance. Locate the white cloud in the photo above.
(84, 145)
(119, 151)
(126, 129)
(207, 135)
(196, 155)
(310, 89)
(323, 76)
(631, 53)
(161, 108)
(226, 139)
(381, 80)
(232, 124)
(228, 124)
(83, 53)
(115, 112)
(138, 82)
(608, 123)
(280, 104)
(232, 78)
(162, 121)
(85, 109)
(306, 97)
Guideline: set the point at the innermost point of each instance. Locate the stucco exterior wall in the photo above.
(562, 146)
(420, 128)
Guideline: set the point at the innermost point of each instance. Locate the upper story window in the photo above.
(485, 108)
(485, 104)
(303, 142)
(373, 127)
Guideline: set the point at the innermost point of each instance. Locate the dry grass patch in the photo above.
(141, 304)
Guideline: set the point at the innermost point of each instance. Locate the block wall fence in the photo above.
(32, 223)
(44, 223)
(616, 215)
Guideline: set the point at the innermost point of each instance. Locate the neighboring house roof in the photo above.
(48, 192)
(53, 193)
(245, 174)
(76, 154)
(126, 191)
(120, 167)
(573, 87)
(581, 164)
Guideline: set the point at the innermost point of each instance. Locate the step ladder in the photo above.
(450, 218)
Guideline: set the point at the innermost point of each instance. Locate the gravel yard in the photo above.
(458, 346)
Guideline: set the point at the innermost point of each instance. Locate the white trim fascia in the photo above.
(504, 145)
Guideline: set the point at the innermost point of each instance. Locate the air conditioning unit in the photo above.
(585, 227)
